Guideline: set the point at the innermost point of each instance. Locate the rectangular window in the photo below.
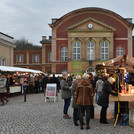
(19, 58)
(3, 61)
(50, 56)
(36, 58)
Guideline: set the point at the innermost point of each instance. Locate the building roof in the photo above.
(27, 47)
(6, 35)
(6, 40)
(88, 9)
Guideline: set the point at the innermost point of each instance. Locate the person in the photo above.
(65, 94)
(104, 99)
(69, 80)
(84, 95)
(99, 85)
(55, 80)
(44, 82)
(104, 78)
(40, 83)
(3, 89)
(93, 85)
(74, 105)
(36, 84)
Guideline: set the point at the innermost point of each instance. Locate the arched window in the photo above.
(63, 54)
(120, 51)
(104, 50)
(76, 50)
(90, 50)
(90, 70)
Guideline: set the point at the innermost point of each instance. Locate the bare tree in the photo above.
(23, 43)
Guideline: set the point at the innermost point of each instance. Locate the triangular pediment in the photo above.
(90, 25)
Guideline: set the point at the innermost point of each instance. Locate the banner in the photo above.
(51, 90)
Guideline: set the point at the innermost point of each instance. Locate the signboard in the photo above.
(51, 91)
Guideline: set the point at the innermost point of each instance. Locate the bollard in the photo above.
(25, 88)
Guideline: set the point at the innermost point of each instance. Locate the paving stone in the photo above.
(37, 117)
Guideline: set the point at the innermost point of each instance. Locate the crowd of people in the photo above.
(77, 91)
(82, 91)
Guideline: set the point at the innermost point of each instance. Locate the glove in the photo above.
(70, 87)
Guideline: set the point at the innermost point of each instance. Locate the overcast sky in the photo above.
(29, 19)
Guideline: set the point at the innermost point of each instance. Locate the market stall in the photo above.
(16, 77)
(121, 67)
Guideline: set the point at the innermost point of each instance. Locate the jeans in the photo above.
(81, 110)
(66, 105)
(103, 114)
(97, 96)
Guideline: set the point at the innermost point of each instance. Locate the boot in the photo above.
(87, 127)
(81, 127)
(6, 99)
(3, 101)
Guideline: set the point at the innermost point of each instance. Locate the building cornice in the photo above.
(6, 43)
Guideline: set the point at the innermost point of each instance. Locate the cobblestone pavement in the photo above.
(37, 117)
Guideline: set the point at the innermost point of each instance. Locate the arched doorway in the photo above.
(90, 70)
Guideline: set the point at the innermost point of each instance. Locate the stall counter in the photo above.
(122, 97)
(14, 89)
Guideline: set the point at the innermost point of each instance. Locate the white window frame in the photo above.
(90, 50)
(35, 58)
(105, 46)
(3, 63)
(119, 51)
(63, 54)
(76, 54)
(20, 58)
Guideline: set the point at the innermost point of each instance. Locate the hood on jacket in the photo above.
(84, 82)
(75, 81)
(106, 83)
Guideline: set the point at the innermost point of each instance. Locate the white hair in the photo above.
(111, 80)
(78, 77)
(85, 76)
(64, 74)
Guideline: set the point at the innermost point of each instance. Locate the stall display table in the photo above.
(122, 97)
(125, 105)
(14, 89)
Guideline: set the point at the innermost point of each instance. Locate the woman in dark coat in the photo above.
(74, 105)
(65, 94)
(104, 99)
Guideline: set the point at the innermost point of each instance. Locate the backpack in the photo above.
(124, 120)
(99, 85)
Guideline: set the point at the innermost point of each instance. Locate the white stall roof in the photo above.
(18, 69)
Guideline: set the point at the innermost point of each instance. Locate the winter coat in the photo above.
(74, 85)
(45, 81)
(104, 97)
(65, 91)
(3, 85)
(99, 85)
(84, 93)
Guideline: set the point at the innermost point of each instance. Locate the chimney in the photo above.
(43, 37)
(50, 37)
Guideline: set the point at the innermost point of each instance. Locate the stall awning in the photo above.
(18, 69)
(123, 61)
